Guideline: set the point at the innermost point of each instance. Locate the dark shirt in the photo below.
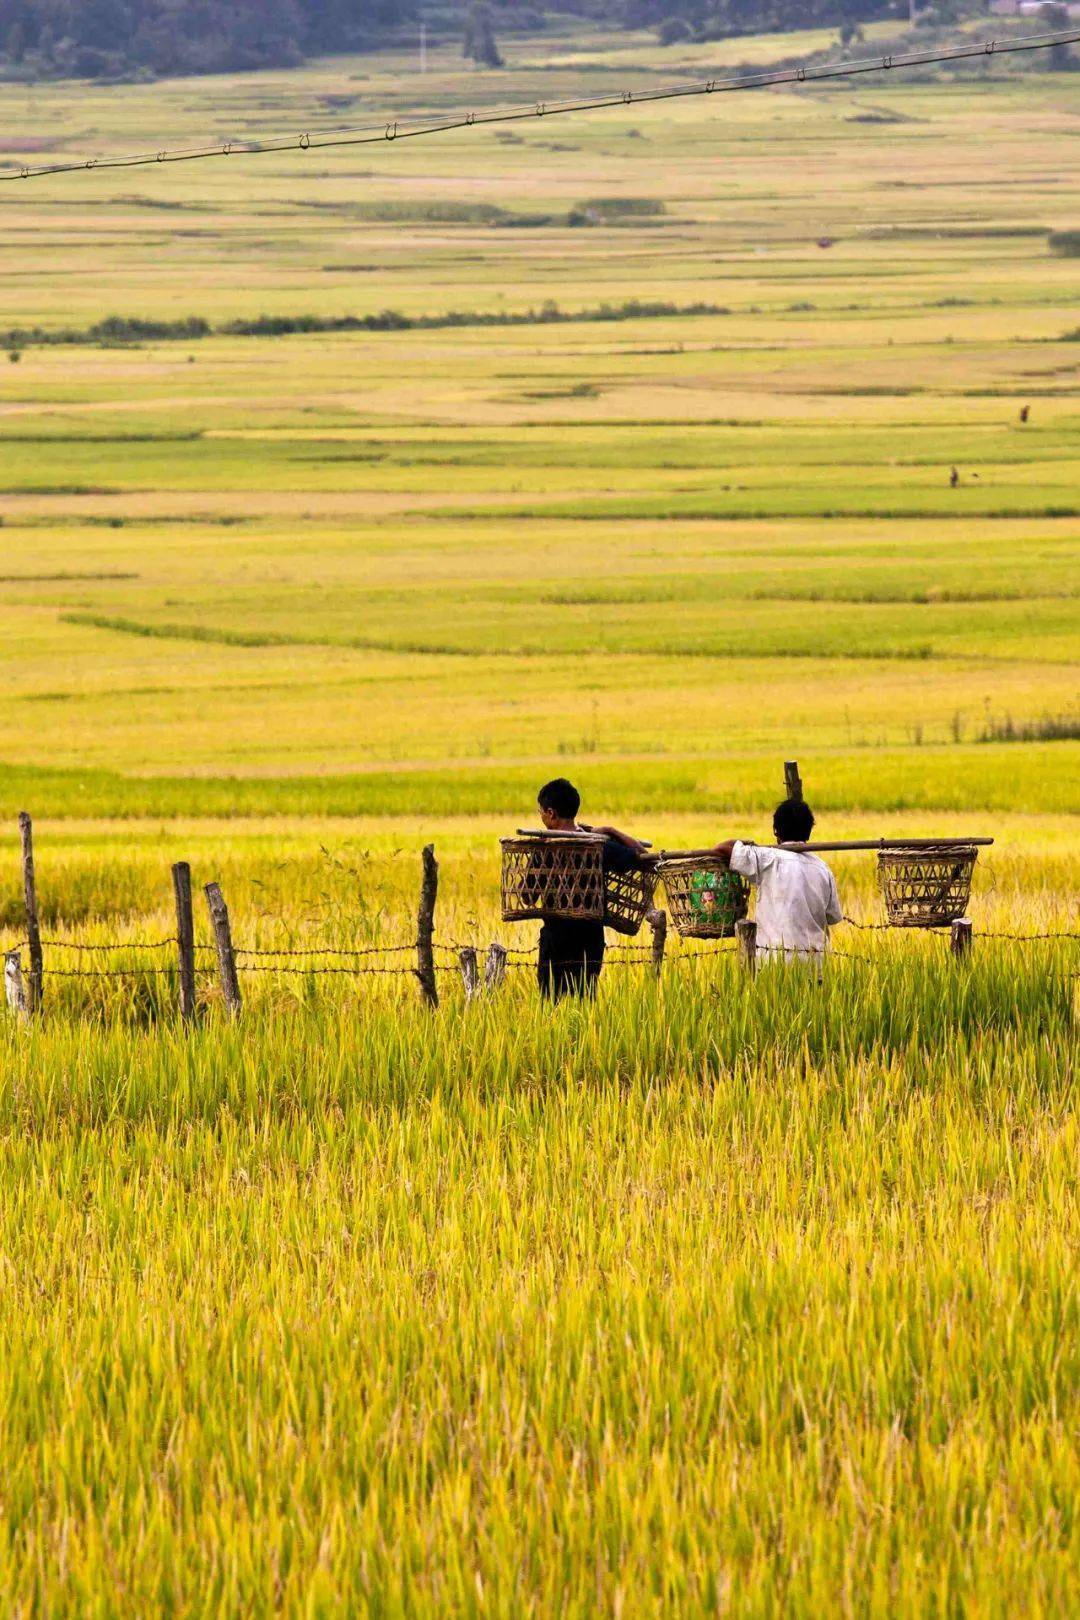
(571, 948)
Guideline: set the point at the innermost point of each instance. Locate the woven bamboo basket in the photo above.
(628, 898)
(553, 875)
(926, 888)
(705, 898)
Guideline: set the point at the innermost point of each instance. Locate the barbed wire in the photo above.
(1027, 939)
(349, 972)
(109, 945)
(325, 950)
(435, 124)
(112, 973)
(285, 961)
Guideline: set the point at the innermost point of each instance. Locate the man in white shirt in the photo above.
(797, 902)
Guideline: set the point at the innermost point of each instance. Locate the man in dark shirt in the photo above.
(572, 950)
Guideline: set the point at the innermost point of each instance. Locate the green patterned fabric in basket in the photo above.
(716, 899)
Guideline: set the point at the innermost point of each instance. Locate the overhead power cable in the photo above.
(408, 128)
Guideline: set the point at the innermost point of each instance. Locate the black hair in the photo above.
(793, 821)
(561, 796)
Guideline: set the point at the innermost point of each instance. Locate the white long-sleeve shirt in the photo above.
(797, 899)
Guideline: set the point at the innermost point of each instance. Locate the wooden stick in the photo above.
(185, 939)
(560, 832)
(470, 976)
(657, 921)
(425, 929)
(15, 987)
(219, 919)
(888, 843)
(746, 934)
(792, 779)
(33, 929)
(855, 843)
(494, 967)
(961, 935)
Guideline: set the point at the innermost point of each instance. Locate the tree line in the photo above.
(125, 38)
(106, 38)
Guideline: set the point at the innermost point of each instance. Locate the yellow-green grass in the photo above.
(757, 1298)
(508, 1326)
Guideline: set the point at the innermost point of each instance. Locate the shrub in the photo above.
(622, 207)
(673, 30)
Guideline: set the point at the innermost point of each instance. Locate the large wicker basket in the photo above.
(553, 875)
(926, 888)
(628, 898)
(705, 898)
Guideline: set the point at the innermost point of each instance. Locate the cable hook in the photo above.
(540, 109)
(391, 131)
(886, 61)
(161, 157)
(305, 142)
(628, 96)
(991, 46)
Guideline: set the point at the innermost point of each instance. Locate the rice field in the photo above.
(728, 1296)
(717, 1297)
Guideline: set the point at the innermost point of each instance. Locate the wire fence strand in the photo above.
(436, 124)
(353, 961)
(112, 973)
(109, 945)
(322, 950)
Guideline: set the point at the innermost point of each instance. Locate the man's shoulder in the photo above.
(751, 860)
(814, 869)
(771, 856)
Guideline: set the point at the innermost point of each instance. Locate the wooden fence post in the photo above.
(219, 918)
(746, 934)
(657, 921)
(185, 939)
(470, 976)
(961, 937)
(425, 928)
(792, 779)
(14, 987)
(33, 929)
(494, 967)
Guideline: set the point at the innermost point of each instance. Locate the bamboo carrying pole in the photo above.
(219, 919)
(185, 939)
(33, 928)
(425, 928)
(854, 843)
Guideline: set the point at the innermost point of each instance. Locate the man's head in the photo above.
(793, 821)
(559, 802)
